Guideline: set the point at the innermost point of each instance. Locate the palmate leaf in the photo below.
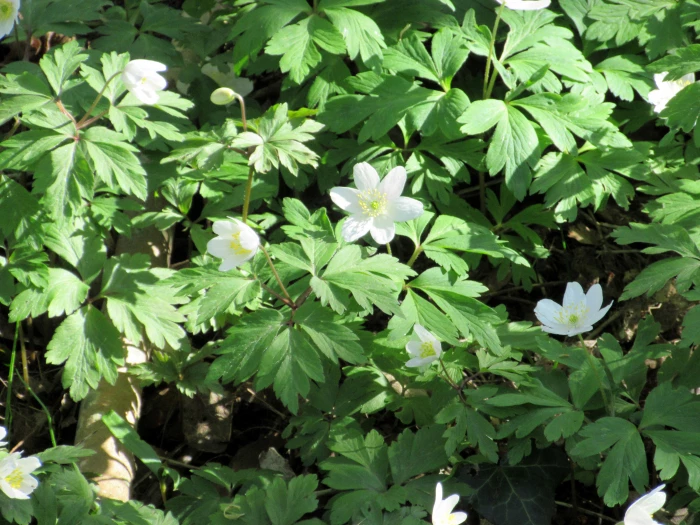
(373, 281)
(513, 146)
(91, 348)
(65, 293)
(298, 44)
(278, 141)
(362, 35)
(22, 93)
(625, 461)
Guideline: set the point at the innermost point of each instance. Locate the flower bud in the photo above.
(223, 96)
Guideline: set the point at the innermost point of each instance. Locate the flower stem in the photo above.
(49, 419)
(492, 45)
(10, 380)
(248, 191)
(388, 248)
(610, 408)
(244, 121)
(277, 275)
(447, 377)
(414, 256)
(23, 349)
(97, 99)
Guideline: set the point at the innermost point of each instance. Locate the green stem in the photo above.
(416, 253)
(487, 92)
(388, 248)
(49, 419)
(10, 380)
(609, 407)
(248, 191)
(277, 275)
(97, 99)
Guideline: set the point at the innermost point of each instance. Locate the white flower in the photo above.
(9, 9)
(526, 5)
(667, 89)
(640, 512)
(423, 349)
(222, 96)
(15, 479)
(576, 315)
(235, 244)
(3, 435)
(442, 509)
(375, 206)
(142, 79)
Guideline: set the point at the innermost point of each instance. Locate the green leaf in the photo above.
(288, 364)
(78, 243)
(298, 44)
(247, 341)
(683, 110)
(416, 454)
(625, 461)
(522, 493)
(278, 142)
(127, 436)
(625, 74)
(64, 454)
(335, 340)
(681, 61)
(140, 300)
(669, 407)
(286, 504)
(362, 35)
(513, 146)
(91, 349)
(372, 281)
(65, 293)
(114, 161)
(61, 63)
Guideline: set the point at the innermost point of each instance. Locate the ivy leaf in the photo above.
(91, 348)
(522, 493)
(625, 461)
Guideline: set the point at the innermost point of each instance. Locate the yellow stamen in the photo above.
(373, 202)
(14, 478)
(426, 350)
(6, 9)
(235, 245)
(572, 315)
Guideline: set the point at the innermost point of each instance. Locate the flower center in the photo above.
(426, 350)
(235, 245)
(573, 315)
(14, 478)
(373, 202)
(6, 9)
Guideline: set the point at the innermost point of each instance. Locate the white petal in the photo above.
(6, 27)
(229, 263)
(3, 432)
(413, 348)
(365, 176)
(219, 247)
(145, 95)
(557, 329)
(573, 295)
(11, 492)
(450, 503)
(392, 185)
(346, 199)
(423, 334)
(527, 5)
(382, 229)
(155, 81)
(639, 512)
(438, 494)
(458, 517)
(659, 78)
(687, 79)
(420, 361)
(143, 65)
(249, 240)
(594, 317)
(405, 209)
(355, 227)
(547, 311)
(30, 464)
(226, 228)
(594, 298)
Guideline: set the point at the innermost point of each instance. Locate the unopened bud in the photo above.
(223, 96)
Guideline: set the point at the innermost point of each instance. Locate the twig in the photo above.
(277, 275)
(589, 512)
(516, 288)
(268, 405)
(595, 333)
